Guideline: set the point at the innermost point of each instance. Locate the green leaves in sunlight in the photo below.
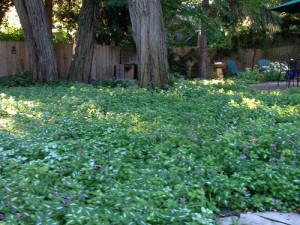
(82, 154)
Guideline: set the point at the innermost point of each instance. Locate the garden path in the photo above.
(270, 86)
(263, 218)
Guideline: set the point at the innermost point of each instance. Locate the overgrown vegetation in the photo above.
(20, 79)
(83, 154)
(11, 34)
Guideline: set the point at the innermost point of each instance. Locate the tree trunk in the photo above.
(49, 12)
(203, 47)
(38, 39)
(80, 69)
(150, 39)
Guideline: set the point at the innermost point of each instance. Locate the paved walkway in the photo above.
(266, 218)
(270, 86)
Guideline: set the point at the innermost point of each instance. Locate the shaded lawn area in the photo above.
(79, 154)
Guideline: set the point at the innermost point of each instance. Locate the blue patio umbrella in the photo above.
(292, 6)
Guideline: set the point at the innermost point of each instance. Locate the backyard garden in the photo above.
(128, 112)
(75, 153)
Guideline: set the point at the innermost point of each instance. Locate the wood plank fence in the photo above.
(14, 58)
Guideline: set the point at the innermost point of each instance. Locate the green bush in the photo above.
(21, 79)
(249, 77)
(113, 83)
(276, 71)
(12, 34)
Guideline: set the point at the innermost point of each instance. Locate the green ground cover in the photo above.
(80, 154)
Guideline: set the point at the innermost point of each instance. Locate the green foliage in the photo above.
(61, 36)
(113, 83)
(21, 79)
(12, 34)
(80, 154)
(276, 71)
(185, 65)
(249, 77)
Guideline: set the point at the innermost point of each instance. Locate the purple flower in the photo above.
(66, 200)
(182, 200)
(55, 193)
(19, 215)
(1, 217)
(254, 139)
(246, 147)
(274, 146)
(243, 156)
(281, 158)
(62, 137)
(272, 160)
(97, 166)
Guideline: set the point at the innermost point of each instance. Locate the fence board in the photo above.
(4, 63)
(2, 54)
(106, 57)
(11, 55)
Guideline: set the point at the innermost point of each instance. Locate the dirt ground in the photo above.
(270, 86)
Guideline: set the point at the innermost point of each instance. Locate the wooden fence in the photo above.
(14, 58)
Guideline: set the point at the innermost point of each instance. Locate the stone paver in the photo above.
(286, 218)
(227, 220)
(266, 218)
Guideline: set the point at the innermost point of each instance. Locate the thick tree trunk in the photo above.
(38, 39)
(49, 12)
(203, 47)
(150, 39)
(81, 65)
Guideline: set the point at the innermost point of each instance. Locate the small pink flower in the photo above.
(254, 139)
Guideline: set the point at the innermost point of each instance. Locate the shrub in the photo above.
(20, 79)
(276, 71)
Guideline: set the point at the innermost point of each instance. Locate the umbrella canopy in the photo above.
(292, 6)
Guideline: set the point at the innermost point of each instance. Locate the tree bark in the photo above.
(38, 39)
(49, 12)
(80, 69)
(203, 47)
(150, 39)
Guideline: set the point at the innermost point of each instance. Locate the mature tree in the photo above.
(49, 12)
(80, 69)
(150, 39)
(203, 46)
(38, 38)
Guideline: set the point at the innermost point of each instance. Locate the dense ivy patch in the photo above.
(79, 154)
